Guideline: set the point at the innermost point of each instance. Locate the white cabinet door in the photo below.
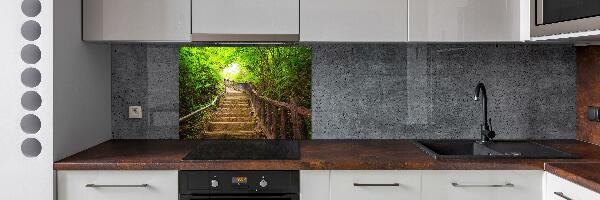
(117, 185)
(482, 185)
(468, 21)
(136, 20)
(375, 185)
(314, 185)
(560, 189)
(245, 20)
(353, 20)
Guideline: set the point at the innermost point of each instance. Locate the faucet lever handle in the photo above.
(492, 133)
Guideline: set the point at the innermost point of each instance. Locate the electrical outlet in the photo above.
(135, 112)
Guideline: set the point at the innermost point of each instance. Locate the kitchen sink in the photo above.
(471, 149)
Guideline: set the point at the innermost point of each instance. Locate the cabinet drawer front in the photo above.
(482, 185)
(117, 185)
(375, 185)
(560, 189)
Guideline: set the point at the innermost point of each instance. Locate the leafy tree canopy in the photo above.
(279, 73)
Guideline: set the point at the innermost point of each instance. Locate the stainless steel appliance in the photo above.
(238, 185)
(552, 17)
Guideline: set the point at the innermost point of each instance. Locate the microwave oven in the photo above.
(553, 17)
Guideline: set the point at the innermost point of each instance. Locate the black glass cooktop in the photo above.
(245, 150)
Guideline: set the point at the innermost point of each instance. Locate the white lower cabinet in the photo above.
(314, 184)
(375, 185)
(341, 185)
(117, 185)
(482, 185)
(560, 189)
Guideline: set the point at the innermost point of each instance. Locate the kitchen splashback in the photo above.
(382, 91)
(588, 80)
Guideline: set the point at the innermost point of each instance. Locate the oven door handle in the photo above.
(285, 196)
(190, 197)
(254, 197)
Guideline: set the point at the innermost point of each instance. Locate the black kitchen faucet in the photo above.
(487, 134)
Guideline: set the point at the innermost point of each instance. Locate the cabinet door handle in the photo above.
(376, 184)
(492, 185)
(562, 195)
(115, 186)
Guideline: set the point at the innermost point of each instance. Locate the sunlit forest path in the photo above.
(245, 92)
(233, 118)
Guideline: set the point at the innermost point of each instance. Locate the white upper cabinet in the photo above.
(307, 20)
(136, 20)
(245, 20)
(353, 20)
(468, 20)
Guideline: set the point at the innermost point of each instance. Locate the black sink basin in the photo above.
(468, 149)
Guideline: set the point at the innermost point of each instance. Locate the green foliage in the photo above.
(200, 76)
(190, 128)
(279, 73)
(200, 81)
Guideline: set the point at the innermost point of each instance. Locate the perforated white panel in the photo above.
(26, 148)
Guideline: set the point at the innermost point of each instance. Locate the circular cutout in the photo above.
(31, 124)
(31, 77)
(31, 8)
(31, 100)
(31, 54)
(31, 30)
(31, 147)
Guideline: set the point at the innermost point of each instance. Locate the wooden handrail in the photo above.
(304, 112)
(276, 117)
(213, 103)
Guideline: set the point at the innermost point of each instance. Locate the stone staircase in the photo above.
(233, 118)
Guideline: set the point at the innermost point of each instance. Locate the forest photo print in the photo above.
(245, 92)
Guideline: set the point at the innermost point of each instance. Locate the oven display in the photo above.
(239, 180)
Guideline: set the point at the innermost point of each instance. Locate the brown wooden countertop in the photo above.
(584, 174)
(314, 154)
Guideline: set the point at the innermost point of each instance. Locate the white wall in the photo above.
(82, 110)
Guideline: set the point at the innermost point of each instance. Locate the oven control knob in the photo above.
(263, 183)
(214, 183)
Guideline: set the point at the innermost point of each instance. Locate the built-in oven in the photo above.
(552, 17)
(238, 185)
